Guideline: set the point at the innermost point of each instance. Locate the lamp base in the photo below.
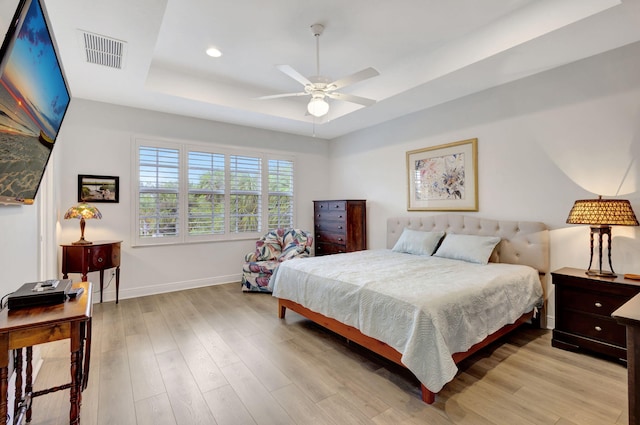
(602, 229)
(82, 241)
(601, 273)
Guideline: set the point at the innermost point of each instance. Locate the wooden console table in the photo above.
(98, 256)
(629, 315)
(31, 326)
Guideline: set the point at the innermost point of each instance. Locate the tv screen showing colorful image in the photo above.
(33, 101)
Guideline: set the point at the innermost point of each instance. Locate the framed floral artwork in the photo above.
(444, 177)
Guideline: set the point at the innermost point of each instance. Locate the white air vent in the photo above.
(103, 50)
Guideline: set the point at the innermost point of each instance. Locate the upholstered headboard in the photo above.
(522, 242)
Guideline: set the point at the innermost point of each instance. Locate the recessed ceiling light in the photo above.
(214, 52)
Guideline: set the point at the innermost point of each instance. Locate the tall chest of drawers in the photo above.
(583, 312)
(340, 226)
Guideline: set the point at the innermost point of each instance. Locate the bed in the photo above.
(425, 312)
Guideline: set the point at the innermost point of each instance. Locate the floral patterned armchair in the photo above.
(272, 249)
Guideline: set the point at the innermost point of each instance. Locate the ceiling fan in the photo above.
(320, 88)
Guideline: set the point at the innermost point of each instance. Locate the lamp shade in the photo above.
(612, 212)
(83, 210)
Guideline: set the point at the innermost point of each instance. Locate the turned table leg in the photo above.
(4, 370)
(75, 392)
(28, 389)
(17, 361)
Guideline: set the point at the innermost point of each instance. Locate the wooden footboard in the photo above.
(379, 347)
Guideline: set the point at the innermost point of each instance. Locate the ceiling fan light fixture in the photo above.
(214, 52)
(321, 88)
(318, 107)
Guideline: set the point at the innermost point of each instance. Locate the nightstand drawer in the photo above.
(597, 327)
(320, 207)
(589, 302)
(337, 238)
(323, 248)
(338, 205)
(330, 206)
(330, 227)
(326, 216)
(100, 258)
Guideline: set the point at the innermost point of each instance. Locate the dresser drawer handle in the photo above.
(598, 328)
(100, 260)
(598, 305)
(340, 227)
(340, 216)
(340, 239)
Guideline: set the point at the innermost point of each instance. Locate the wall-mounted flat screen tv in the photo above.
(33, 101)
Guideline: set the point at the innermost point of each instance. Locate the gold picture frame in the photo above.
(444, 177)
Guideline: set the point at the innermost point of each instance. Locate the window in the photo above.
(280, 194)
(158, 195)
(245, 194)
(206, 193)
(187, 193)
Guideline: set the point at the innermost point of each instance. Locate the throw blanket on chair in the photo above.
(273, 248)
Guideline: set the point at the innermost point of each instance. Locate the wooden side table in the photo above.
(583, 312)
(99, 256)
(629, 316)
(31, 326)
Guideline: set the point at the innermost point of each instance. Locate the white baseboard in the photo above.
(110, 293)
(551, 322)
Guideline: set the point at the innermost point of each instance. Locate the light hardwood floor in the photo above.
(216, 355)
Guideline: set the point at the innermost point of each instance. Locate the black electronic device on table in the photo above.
(46, 292)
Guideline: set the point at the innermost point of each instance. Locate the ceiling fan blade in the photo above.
(294, 74)
(275, 96)
(354, 78)
(351, 98)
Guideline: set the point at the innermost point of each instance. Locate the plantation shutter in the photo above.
(280, 194)
(245, 188)
(206, 193)
(158, 192)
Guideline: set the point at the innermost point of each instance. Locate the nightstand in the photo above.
(97, 256)
(583, 312)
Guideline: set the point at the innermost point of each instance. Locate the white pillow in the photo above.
(417, 242)
(471, 248)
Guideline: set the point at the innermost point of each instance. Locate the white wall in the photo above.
(543, 142)
(96, 138)
(19, 258)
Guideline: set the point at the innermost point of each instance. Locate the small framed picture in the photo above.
(443, 178)
(93, 188)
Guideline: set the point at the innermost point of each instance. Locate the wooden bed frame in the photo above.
(379, 347)
(521, 243)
